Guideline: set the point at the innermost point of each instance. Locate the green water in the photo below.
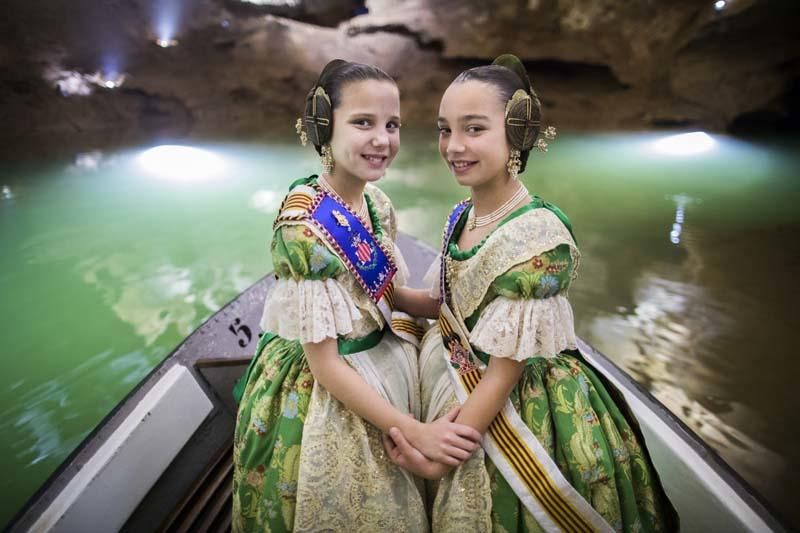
(688, 279)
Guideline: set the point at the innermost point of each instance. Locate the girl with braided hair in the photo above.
(337, 365)
(560, 451)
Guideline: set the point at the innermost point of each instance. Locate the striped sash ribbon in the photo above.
(402, 324)
(515, 451)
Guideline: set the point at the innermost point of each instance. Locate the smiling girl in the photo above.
(559, 452)
(336, 366)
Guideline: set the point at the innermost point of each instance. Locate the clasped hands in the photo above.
(431, 450)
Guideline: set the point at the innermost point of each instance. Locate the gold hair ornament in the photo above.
(550, 134)
(301, 131)
(319, 100)
(519, 114)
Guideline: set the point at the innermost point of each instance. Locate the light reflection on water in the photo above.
(658, 342)
(683, 260)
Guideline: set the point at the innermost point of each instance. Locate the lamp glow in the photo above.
(109, 80)
(89, 160)
(719, 5)
(182, 163)
(685, 144)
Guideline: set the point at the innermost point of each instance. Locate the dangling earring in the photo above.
(327, 159)
(514, 163)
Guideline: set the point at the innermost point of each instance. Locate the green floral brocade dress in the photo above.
(511, 288)
(302, 461)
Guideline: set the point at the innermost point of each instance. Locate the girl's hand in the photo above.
(444, 441)
(409, 458)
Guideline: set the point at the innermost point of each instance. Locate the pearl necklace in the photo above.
(499, 213)
(362, 213)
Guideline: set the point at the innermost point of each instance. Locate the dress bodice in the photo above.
(510, 289)
(316, 295)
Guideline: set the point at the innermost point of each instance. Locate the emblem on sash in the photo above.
(365, 253)
(340, 219)
(459, 356)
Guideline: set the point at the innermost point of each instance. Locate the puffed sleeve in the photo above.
(529, 314)
(307, 303)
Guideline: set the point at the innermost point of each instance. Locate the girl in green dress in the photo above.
(559, 449)
(336, 366)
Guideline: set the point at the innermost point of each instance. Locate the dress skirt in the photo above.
(304, 462)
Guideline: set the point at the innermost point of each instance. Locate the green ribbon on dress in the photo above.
(344, 347)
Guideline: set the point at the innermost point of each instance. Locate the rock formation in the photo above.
(240, 68)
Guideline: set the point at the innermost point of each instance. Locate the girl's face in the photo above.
(472, 135)
(366, 130)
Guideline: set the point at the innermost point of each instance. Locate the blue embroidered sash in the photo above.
(358, 248)
(448, 233)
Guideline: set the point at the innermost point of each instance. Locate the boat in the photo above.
(162, 459)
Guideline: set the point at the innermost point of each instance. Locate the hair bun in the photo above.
(318, 116)
(523, 116)
(318, 113)
(523, 110)
(512, 63)
(332, 66)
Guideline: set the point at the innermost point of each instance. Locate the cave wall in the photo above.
(241, 70)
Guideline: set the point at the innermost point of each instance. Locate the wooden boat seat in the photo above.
(207, 505)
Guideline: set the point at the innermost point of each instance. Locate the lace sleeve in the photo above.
(523, 328)
(309, 310)
(307, 303)
(529, 314)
